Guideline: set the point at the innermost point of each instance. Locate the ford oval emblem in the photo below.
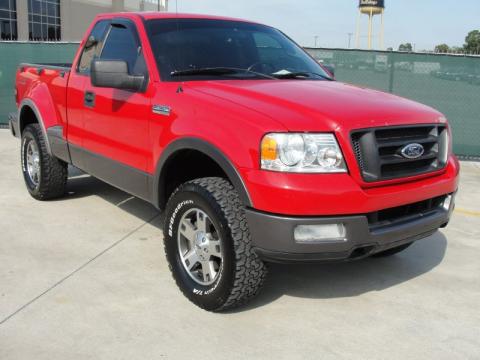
(413, 151)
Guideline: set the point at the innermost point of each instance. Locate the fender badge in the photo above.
(161, 110)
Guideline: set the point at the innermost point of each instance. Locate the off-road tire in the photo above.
(242, 273)
(392, 251)
(53, 172)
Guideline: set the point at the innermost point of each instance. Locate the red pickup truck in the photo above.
(251, 147)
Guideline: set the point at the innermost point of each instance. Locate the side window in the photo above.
(122, 44)
(93, 46)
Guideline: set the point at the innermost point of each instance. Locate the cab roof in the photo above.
(151, 15)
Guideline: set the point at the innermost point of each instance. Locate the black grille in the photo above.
(379, 151)
(405, 212)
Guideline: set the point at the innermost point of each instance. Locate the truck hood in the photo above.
(304, 105)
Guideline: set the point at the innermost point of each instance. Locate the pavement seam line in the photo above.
(84, 265)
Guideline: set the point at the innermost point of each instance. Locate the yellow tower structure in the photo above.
(370, 8)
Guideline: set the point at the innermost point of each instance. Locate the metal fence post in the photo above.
(391, 65)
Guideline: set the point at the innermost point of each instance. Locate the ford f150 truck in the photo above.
(251, 147)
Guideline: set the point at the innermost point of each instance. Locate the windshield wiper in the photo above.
(301, 75)
(218, 71)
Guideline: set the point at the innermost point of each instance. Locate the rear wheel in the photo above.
(45, 176)
(208, 245)
(392, 251)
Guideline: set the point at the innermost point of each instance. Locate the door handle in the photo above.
(89, 99)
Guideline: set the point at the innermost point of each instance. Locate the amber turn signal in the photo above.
(269, 148)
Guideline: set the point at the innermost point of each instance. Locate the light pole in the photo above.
(316, 38)
(349, 39)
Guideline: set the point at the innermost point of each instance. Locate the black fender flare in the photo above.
(191, 143)
(27, 103)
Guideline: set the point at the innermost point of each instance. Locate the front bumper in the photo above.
(273, 235)
(13, 124)
(315, 195)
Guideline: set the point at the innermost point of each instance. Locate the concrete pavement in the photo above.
(85, 277)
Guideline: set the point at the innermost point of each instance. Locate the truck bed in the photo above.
(53, 66)
(45, 81)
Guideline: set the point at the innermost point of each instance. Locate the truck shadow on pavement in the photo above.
(311, 281)
(83, 185)
(348, 279)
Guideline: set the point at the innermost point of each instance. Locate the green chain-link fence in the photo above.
(13, 53)
(448, 83)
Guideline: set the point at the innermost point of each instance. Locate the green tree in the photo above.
(457, 49)
(442, 48)
(405, 47)
(472, 42)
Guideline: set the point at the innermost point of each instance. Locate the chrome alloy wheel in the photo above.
(33, 162)
(199, 247)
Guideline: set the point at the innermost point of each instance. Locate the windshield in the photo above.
(180, 45)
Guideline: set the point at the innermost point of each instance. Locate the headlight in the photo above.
(302, 153)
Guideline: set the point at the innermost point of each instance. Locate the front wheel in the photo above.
(208, 245)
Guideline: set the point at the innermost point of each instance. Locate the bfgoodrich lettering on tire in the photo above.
(208, 245)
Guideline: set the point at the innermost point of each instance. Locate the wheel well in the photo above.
(183, 166)
(27, 117)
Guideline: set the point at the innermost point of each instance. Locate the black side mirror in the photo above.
(114, 74)
(330, 69)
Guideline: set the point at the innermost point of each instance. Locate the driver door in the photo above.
(116, 121)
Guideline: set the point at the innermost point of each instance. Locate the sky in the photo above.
(424, 23)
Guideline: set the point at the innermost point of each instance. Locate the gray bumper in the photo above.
(273, 235)
(13, 124)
